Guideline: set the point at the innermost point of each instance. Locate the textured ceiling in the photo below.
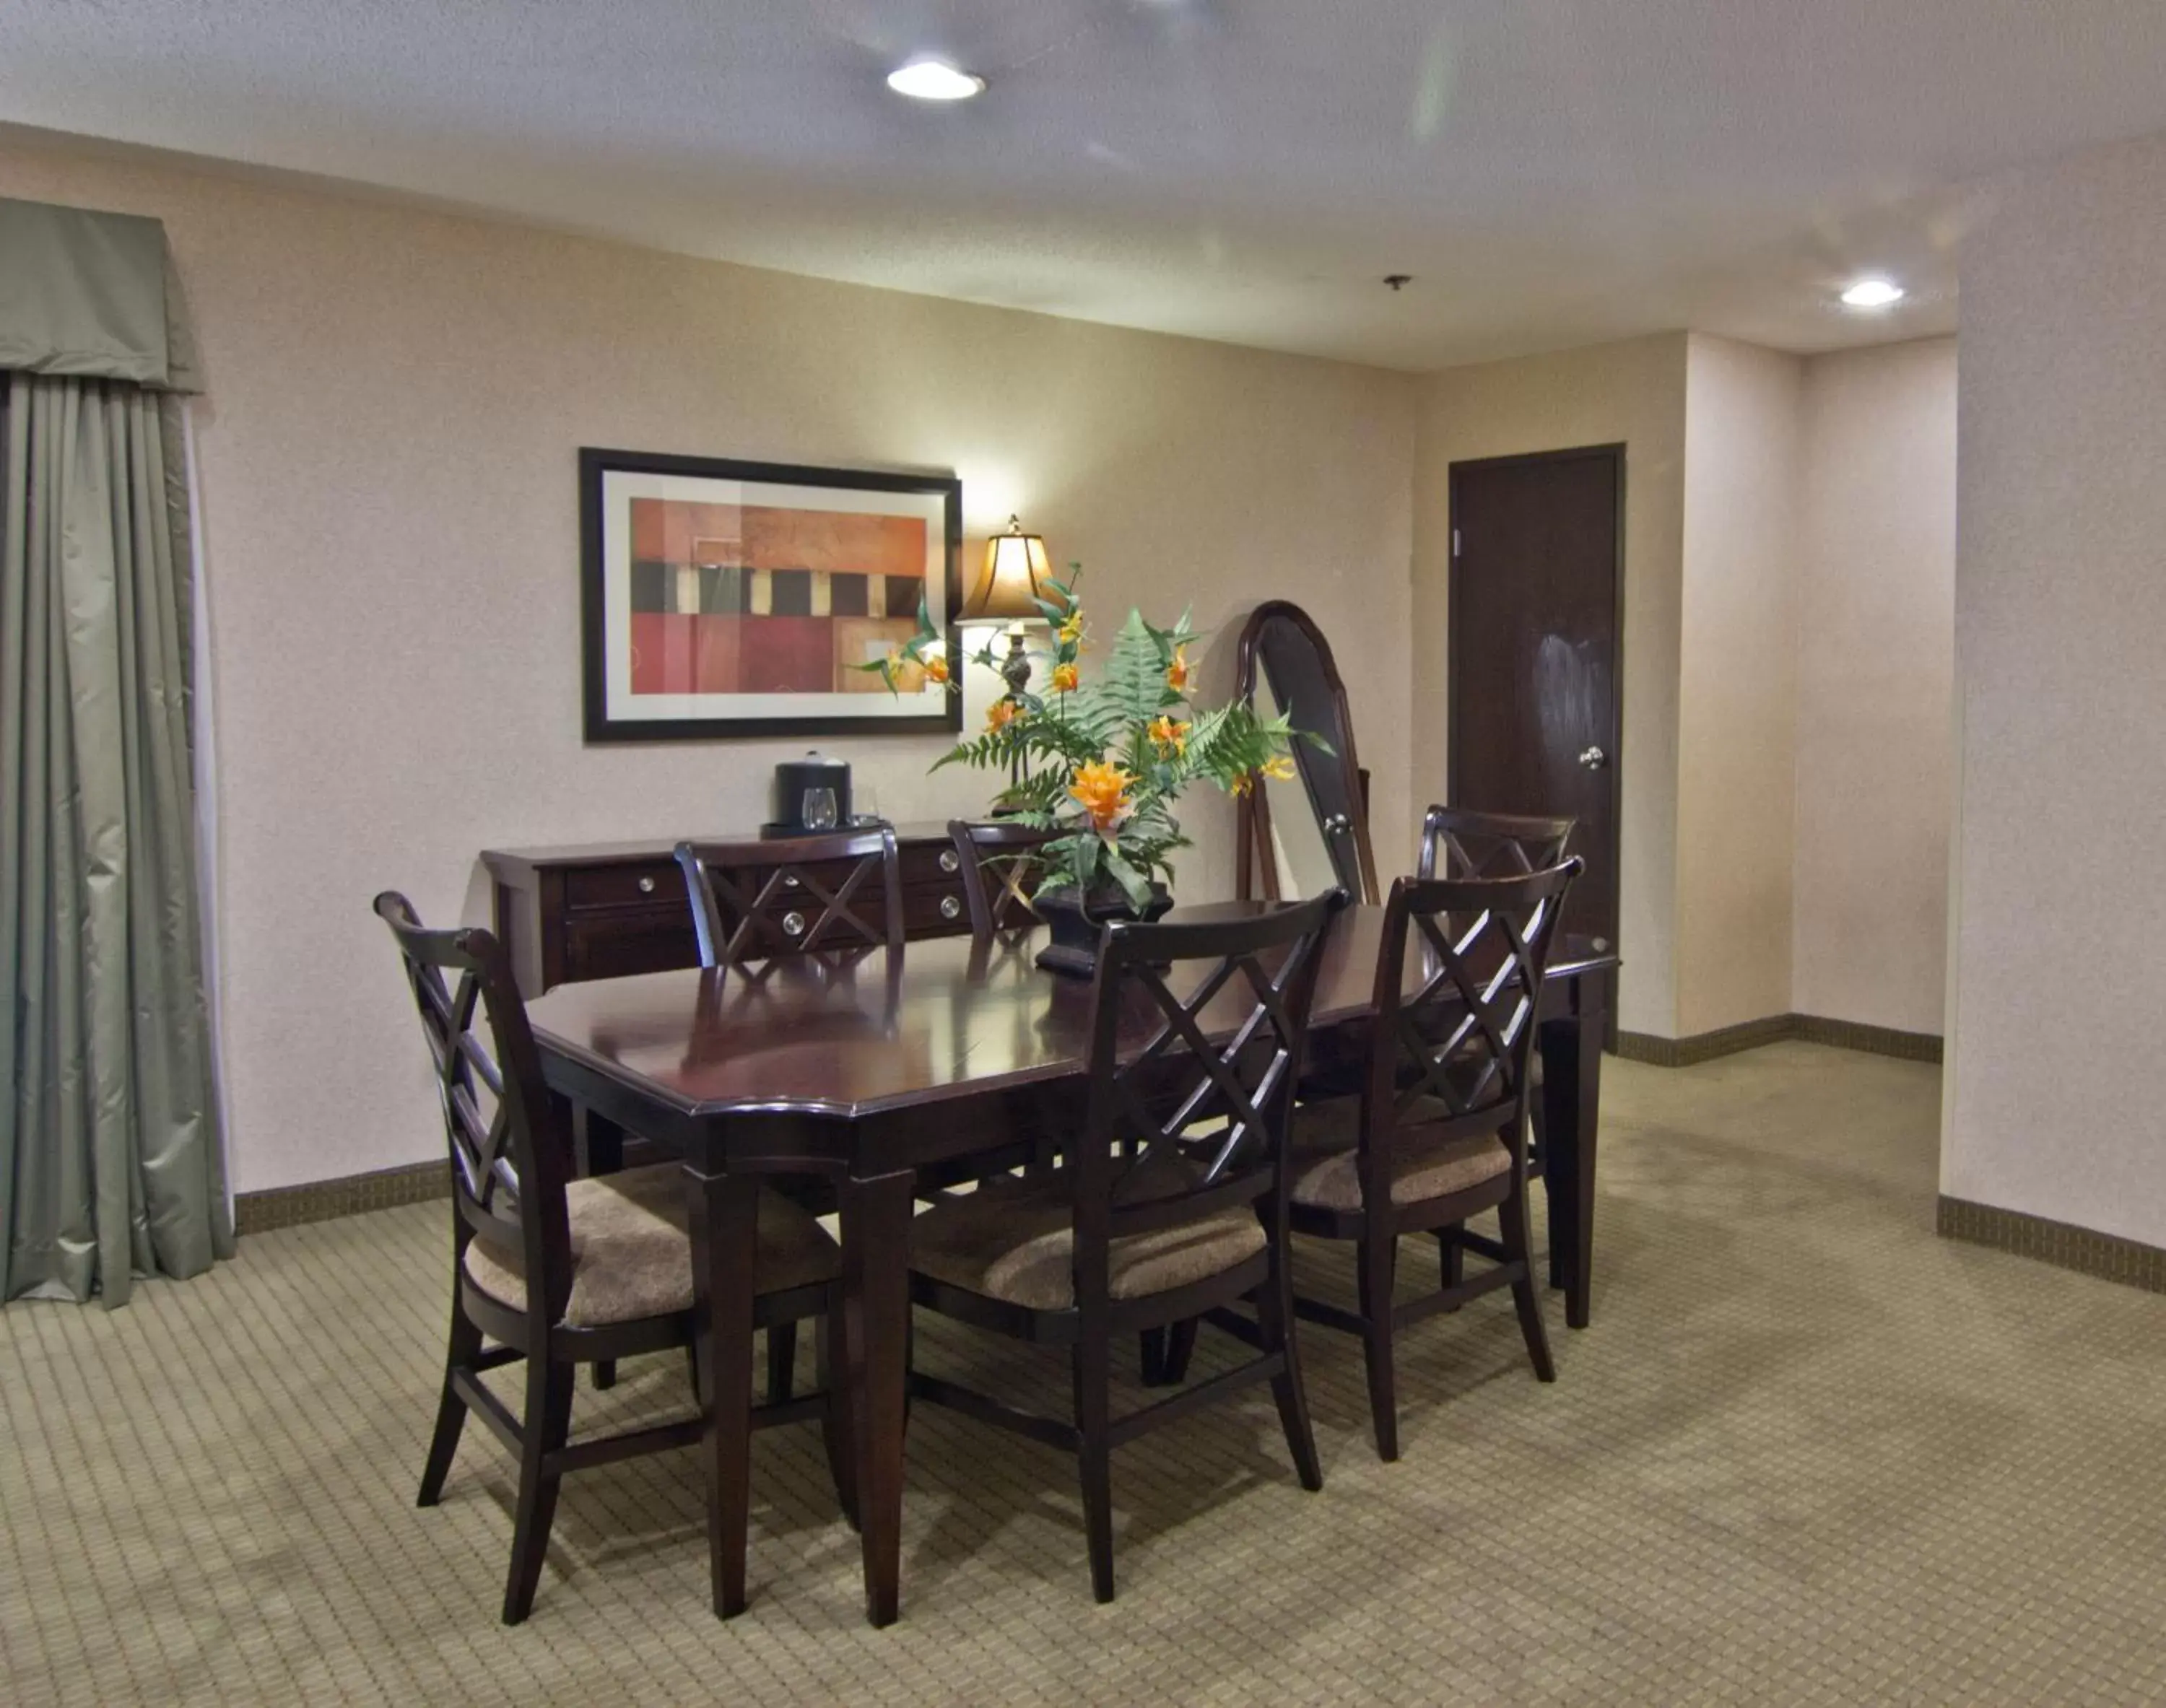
(1552, 171)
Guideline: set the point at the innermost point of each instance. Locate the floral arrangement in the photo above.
(1102, 754)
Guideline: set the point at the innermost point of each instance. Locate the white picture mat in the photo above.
(619, 487)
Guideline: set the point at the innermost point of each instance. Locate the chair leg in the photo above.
(1094, 1455)
(1151, 1361)
(1180, 1348)
(1376, 1259)
(692, 1363)
(462, 1347)
(604, 1374)
(1451, 1256)
(1275, 1318)
(1518, 1237)
(543, 1431)
(781, 1361)
(835, 1417)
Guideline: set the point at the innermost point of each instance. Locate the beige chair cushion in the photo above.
(1015, 1241)
(1327, 1175)
(632, 1257)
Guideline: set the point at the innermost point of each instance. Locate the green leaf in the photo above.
(1134, 884)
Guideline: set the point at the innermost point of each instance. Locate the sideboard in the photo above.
(609, 909)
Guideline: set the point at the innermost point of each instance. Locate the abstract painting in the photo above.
(741, 598)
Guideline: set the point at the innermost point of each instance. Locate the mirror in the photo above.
(1302, 836)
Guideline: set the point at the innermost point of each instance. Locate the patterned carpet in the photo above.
(1807, 1453)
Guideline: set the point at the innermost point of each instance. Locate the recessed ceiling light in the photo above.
(1872, 293)
(933, 80)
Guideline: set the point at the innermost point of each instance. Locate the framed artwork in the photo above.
(736, 599)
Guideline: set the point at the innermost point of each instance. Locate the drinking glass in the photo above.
(818, 809)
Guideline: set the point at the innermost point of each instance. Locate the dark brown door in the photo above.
(1535, 578)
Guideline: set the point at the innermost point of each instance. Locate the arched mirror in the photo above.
(1300, 837)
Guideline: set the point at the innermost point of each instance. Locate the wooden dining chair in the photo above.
(999, 864)
(559, 1272)
(1462, 842)
(1172, 1203)
(1438, 1132)
(757, 900)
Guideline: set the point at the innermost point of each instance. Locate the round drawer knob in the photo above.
(951, 907)
(647, 886)
(793, 923)
(790, 882)
(949, 863)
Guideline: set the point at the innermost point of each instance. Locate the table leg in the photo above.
(724, 1219)
(599, 1142)
(1571, 1103)
(876, 1334)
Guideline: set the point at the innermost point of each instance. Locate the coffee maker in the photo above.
(811, 795)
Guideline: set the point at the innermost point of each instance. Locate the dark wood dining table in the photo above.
(869, 1072)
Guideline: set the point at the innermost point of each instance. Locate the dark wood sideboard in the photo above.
(609, 909)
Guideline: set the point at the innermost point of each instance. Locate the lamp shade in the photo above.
(1013, 581)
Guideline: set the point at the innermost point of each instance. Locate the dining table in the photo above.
(865, 1073)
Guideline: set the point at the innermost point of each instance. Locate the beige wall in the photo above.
(1737, 709)
(2051, 1105)
(390, 511)
(1876, 661)
(1632, 393)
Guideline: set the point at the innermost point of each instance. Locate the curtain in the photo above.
(111, 1157)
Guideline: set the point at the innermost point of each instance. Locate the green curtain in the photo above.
(111, 1159)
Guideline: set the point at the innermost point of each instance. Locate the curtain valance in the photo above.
(93, 295)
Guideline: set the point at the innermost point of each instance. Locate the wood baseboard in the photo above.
(1775, 1029)
(320, 1200)
(2062, 1244)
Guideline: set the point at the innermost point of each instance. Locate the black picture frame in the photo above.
(596, 464)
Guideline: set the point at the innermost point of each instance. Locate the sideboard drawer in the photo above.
(636, 884)
(619, 944)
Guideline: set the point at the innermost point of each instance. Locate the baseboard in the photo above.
(1775, 1029)
(2062, 1244)
(319, 1200)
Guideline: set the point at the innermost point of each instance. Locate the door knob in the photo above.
(1594, 759)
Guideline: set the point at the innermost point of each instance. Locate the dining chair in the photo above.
(559, 1272)
(756, 900)
(1000, 863)
(1437, 1133)
(1171, 1203)
(761, 900)
(1463, 842)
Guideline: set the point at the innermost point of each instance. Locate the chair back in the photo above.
(1191, 1097)
(510, 1146)
(757, 900)
(1458, 983)
(1460, 842)
(1000, 863)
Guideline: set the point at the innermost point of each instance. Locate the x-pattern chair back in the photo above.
(758, 901)
(1190, 1122)
(1452, 1055)
(511, 1156)
(1460, 842)
(999, 864)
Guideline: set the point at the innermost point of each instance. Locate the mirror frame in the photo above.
(1256, 869)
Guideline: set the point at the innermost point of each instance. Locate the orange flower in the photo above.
(935, 667)
(1072, 628)
(1103, 789)
(1241, 784)
(999, 714)
(1063, 679)
(1177, 672)
(1170, 737)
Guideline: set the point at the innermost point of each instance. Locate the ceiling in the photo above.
(1553, 172)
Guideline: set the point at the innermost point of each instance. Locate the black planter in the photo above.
(1073, 922)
